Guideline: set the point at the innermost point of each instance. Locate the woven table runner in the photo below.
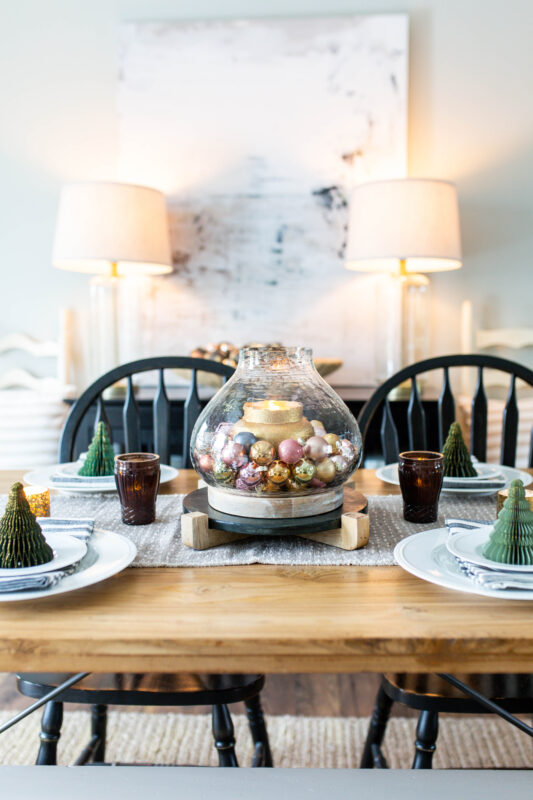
(159, 544)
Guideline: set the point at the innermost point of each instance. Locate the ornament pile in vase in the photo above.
(22, 543)
(457, 461)
(511, 540)
(276, 429)
(100, 459)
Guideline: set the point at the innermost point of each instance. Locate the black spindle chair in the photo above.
(432, 694)
(98, 691)
(416, 417)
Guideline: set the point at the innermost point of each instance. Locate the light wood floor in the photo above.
(299, 695)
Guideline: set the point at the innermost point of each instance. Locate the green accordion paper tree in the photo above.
(457, 461)
(100, 458)
(22, 543)
(511, 540)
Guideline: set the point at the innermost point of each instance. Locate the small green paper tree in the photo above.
(511, 540)
(457, 461)
(22, 543)
(100, 458)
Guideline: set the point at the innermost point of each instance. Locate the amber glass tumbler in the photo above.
(137, 479)
(421, 473)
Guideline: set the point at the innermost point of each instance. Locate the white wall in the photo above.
(470, 120)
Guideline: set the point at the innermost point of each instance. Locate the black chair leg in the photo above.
(50, 732)
(223, 734)
(99, 729)
(258, 729)
(376, 729)
(427, 731)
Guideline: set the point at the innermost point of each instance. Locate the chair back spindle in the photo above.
(446, 408)
(161, 421)
(478, 436)
(191, 412)
(131, 420)
(416, 420)
(510, 427)
(389, 434)
(101, 414)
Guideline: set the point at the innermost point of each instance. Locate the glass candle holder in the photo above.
(137, 478)
(38, 498)
(276, 440)
(421, 473)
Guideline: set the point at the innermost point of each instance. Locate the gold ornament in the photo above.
(278, 472)
(222, 473)
(334, 442)
(272, 487)
(293, 486)
(304, 470)
(326, 470)
(262, 452)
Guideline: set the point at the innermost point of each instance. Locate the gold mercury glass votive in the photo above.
(39, 500)
(275, 420)
(503, 494)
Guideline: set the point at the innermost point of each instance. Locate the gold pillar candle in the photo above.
(38, 499)
(503, 494)
(274, 420)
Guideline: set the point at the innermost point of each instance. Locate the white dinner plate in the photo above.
(468, 546)
(107, 554)
(43, 477)
(67, 549)
(484, 472)
(389, 474)
(425, 555)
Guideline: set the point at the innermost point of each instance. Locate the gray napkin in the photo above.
(62, 479)
(496, 577)
(79, 528)
(39, 581)
(471, 483)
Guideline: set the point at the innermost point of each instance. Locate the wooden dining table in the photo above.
(265, 618)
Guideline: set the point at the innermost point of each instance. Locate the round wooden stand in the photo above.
(204, 526)
(277, 506)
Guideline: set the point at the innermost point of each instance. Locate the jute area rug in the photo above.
(186, 739)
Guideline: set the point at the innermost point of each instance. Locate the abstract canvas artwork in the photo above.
(257, 130)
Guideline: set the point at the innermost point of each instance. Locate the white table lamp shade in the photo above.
(103, 223)
(416, 220)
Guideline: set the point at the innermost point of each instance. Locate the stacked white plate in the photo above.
(495, 477)
(30, 427)
(65, 478)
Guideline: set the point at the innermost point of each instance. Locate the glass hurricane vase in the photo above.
(276, 440)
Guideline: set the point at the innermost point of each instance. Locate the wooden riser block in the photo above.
(353, 533)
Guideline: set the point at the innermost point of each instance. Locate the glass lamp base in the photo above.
(402, 313)
(118, 312)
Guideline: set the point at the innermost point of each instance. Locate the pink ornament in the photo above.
(290, 451)
(251, 474)
(316, 484)
(341, 465)
(205, 462)
(234, 456)
(316, 448)
(347, 449)
(222, 436)
(241, 484)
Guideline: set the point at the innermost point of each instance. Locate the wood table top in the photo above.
(260, 618)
